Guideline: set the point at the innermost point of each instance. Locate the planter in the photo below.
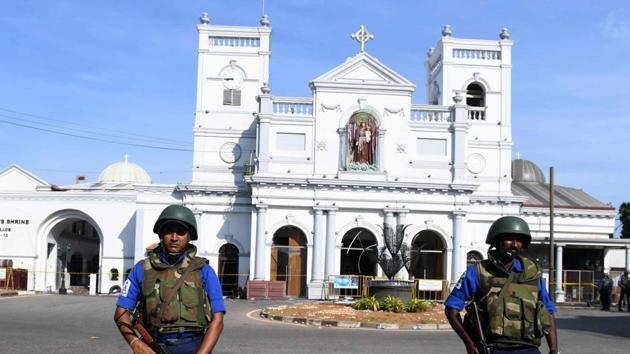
(381, 288)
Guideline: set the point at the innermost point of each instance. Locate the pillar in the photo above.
(559, 291)
(259, 258)
(316, 286)
(459, 256)
(628, 258)
(331, 225)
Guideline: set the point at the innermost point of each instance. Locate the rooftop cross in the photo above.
(518, 155)
(126, 158)
(362, 36)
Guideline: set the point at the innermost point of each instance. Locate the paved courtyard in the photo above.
(82, 324)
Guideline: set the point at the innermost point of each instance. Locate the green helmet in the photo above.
(509, 225)
(177, 213)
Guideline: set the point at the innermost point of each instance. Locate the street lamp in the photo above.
(62, 289)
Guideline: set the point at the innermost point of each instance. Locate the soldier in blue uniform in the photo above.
(515, 310)
(183, 316)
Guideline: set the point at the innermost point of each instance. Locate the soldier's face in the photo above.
(511, 242)
(175, 237)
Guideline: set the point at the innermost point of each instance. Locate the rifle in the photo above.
(158, 348)
(472, 324)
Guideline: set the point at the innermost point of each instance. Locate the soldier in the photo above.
(624, 286)
(178, 295)
(514, 308)
(605, 291)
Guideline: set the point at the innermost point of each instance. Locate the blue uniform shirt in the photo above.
(132, 289)
(468, 285)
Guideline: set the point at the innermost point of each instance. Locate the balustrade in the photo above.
(476, 113)
(234, 42)
(429, 114)
(293, 107)
(476, 54)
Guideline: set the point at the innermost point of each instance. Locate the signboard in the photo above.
(429, 285)
(10, 226)
(3, 273)
(345, 282)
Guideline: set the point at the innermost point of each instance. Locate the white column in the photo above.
(558, 277)
(381, 149)
(401, 218)
(140, 244)
(459, 257)
(389, 218)
(628, 258)
(316, 286)
(317, 273)
(331, 225)
(259, 258)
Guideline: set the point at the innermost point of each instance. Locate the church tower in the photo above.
(233, 65)
(477, 73)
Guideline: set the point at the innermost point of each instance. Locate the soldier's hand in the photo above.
(140, 347)
(471, 348)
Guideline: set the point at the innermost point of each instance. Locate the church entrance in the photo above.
(73, 254)
(288, 259)
(358, 253)
(427, 256)
(228, 269)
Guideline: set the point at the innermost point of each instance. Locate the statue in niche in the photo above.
(362, 142)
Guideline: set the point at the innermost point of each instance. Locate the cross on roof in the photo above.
(518, 155)
(362, 36)
(126, 158)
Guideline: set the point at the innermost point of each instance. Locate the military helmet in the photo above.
(177, 213)
(509, 225)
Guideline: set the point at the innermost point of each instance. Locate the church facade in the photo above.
(298, 188)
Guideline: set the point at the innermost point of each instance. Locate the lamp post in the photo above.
(62, 289)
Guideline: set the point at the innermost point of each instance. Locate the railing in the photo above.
(430, 114)
(357, 287)
(234, 42)
(476, 54)
(293, 106)
(431, 294)
(476, 113)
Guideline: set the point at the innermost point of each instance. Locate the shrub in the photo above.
(417, 305)
(366, 303)
(393, 304)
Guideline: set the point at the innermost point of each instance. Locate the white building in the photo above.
(295, 188)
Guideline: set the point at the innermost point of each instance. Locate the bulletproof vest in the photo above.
(624, 281)
(517, 317)
(189, 309)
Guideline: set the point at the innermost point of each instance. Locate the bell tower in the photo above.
(233, 65)
(479, 73)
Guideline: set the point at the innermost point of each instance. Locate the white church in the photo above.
(296, 188)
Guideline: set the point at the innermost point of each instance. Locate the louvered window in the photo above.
(231, 97)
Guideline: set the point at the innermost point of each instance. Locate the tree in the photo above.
(624, 218)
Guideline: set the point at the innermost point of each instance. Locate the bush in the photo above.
(366, 303)
(393, 304)
(417, 305)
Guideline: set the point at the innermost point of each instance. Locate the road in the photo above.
(83, 324)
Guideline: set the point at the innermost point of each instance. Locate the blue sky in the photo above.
(130, 67)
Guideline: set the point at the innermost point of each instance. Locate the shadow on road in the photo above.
(609, 325)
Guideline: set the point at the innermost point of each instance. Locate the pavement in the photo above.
(84, 324)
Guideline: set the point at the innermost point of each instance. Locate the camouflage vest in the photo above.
(516, 317)
(189, 309)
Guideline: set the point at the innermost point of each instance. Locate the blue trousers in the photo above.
(521, 350)
(184, 345)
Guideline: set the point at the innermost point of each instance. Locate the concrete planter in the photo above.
(381, 288)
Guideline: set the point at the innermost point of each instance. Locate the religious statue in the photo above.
(362, 142)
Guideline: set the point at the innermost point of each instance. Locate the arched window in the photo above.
(113, 274)
(475, 96)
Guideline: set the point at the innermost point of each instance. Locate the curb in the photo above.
(353, 324)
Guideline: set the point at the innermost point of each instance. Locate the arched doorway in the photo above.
(288, 259)
(358, 253)
(73, 253)
(427, 256)
(228, 269)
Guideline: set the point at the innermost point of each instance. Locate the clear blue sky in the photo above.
(130, 67)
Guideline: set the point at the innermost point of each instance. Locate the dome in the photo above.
(124, 172)
(526, 171)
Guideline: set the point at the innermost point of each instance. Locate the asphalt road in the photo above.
(82, 324)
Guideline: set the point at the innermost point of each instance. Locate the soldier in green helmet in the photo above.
(513, 309)
(176, 296)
